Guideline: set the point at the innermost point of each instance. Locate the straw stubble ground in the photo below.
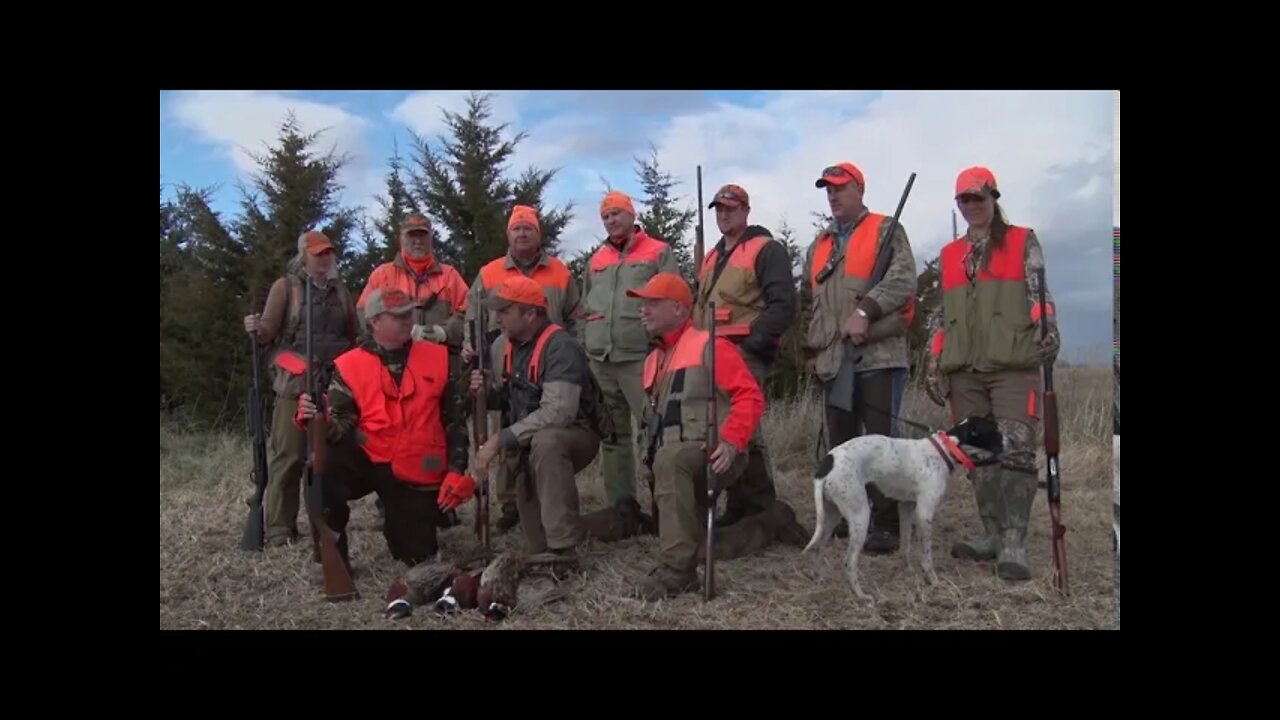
(207, 582)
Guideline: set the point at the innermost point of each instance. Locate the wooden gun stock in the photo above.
(1053, 482)
(338, 584)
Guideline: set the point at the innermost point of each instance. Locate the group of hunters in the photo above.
(619, 368)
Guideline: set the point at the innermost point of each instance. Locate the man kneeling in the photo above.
(396, 421)
(552, 413)
(675, 379)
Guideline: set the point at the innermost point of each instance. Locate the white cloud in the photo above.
(421, 111)
(1051, 152)
(241, 123)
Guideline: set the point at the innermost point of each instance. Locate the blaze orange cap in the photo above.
(730, 196)
(617, 200)
(976, 181)
(523, 214)
(516, 289)
(318, 242)
(665, 286)
(841, 174)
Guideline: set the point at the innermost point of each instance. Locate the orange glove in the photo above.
(455, 490)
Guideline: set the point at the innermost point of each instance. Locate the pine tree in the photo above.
(297, 190)
(462, 185)
(662, 218)
(218, 272)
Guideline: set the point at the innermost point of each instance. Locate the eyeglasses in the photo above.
(971, 198)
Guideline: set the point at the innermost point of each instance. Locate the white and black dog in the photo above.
(913, 472)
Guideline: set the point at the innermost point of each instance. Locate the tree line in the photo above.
(214, 270)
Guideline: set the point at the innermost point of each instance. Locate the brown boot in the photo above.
(786, 529)
(662, 582)
(619, 522)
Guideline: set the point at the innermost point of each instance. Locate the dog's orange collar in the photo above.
(954, 450)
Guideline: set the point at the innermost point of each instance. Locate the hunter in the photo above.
(525, 257)
(985, 355)
(616, 342)
(748, 275)
(334, 330)
(439, 289)
(397, 427)
(857, 335)
(676, 378)
(553, 419)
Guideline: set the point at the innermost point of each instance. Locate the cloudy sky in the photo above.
(1055, 155)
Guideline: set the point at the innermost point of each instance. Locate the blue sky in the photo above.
(1054, 154)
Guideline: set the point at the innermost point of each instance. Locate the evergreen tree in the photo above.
(213, 273)
(462, 185)
(663, 219)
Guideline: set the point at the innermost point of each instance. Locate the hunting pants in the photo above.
(624, 398)
(877, 399)
(412, 515)
(681, 472)
(1005, 493)
(284, 471)
(755, 492)
(546, 492)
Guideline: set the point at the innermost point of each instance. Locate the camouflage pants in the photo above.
(1013, 397)
(286, 464)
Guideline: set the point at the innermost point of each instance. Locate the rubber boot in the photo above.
(1019, 491)
(987, 491)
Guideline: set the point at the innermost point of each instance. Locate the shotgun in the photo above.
(480, 419)
(713, 442)
(894, 323)
(255, 526)
(1051, 442)
(338, 584)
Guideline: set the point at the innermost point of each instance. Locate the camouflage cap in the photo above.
(415, 222)
(731, 196)
(389, 300)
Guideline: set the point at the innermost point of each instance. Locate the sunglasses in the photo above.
(731, 195)
(968, 198)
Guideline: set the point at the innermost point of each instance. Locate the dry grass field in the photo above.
(207, 582)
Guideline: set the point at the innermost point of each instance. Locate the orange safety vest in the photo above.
(402, 425)
(535, 361)
(860, 257)
(988, 324)
(737, 293)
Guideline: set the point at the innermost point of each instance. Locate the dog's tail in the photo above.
(819, 501)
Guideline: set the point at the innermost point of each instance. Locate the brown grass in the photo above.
(207, 582)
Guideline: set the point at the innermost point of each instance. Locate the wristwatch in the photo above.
(861, 312)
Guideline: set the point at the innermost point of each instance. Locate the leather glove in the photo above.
(455, 490)
(933, 382)
(429, 333)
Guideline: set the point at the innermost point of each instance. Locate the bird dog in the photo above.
(914, 472)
